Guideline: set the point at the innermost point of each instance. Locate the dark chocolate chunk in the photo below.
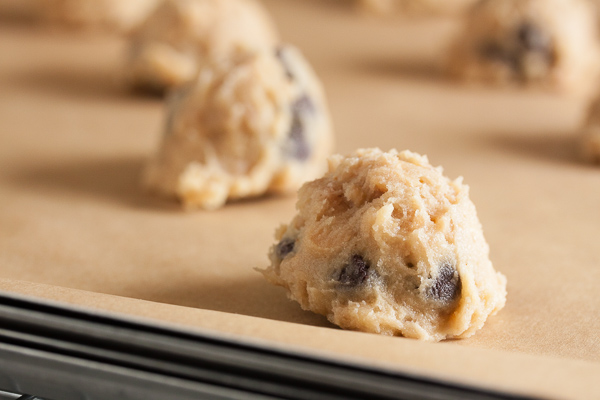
(528, 39)
(446, 286)
(355, 272)
(532, 38)
(298, 147)
(285, 247)
(303, 104)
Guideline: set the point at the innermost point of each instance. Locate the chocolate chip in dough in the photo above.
(285, 247)
(299, 148)
(532, 38)
(303, 104)
(355, 272)
(446, 286)
(529, 39)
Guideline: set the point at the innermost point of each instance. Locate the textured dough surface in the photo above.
(118, 15)
(419, 7)
(248, 125)
(548, 43)
(167, 49)
(384, 243)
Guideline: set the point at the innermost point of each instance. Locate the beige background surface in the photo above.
(72, 215)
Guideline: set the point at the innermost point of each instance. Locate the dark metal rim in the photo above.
(64, 336)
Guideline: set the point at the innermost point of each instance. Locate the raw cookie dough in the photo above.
(551, 43)
(167, 49)
(117, 15)
(248, 125)
(590, 139)
(391, 7)
(385, 243)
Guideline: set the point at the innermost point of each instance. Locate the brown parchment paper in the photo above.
(76, 227)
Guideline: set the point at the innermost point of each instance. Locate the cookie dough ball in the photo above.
(167, 49)
(248, 125)
(590, 139)
(385, 243)
(551, 43)
(116, 15)
(392, 7)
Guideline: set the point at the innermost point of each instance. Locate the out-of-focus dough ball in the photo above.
(180, 34)
(249, 124)
(115, 15)
(548, 43)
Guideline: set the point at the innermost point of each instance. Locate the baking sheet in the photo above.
(75, 225)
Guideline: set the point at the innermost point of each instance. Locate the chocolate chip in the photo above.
(355, 272)
(298, 148)
(446, 286)
(533, 41)
(532, 38)
(528, 39)
(285, 247)
(303, 104)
